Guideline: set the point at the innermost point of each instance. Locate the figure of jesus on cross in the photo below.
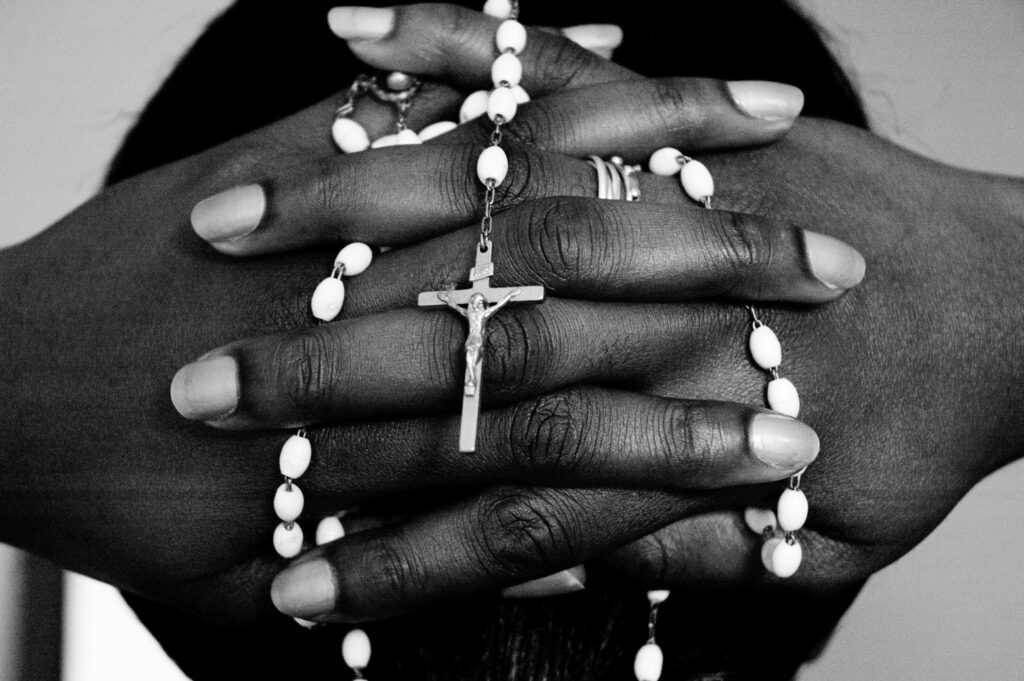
(481, 301)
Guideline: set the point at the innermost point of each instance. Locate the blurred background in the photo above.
(944, 78)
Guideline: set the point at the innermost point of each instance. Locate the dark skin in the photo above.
(843, 383)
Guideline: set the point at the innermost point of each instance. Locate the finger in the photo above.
(502, 537)
(402, 195)
(630, 251)
(457, 45)
(717, 549)
(579, 437)
(412, 362)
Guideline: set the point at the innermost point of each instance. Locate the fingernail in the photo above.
(782, 442)
(304, 590)
(230, 214)
(361, 24)
(564, 582)
(206, 390)
(834, 263)
(767, 100)
(605, 37)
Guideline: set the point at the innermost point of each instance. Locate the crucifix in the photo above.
(477, 304)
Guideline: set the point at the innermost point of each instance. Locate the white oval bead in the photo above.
(792, 510)
(786, 559)
(696, 180)
(499, 9)
(765, 348)
(657, 596)
(288, 542)
(329, 529)
(295, 456)
(758, 519)
(474, 106)
(506, 70)
(385, 141)
(407, 136)
(288, 503)
(437, 129)
(521, 95)
(511, 35)
(767, 549)
(665, 162)
(492, 165)
(355, 258)
(327, 299)
(783, 397)
(349, 135)
(648, 663)
(355, 649)
(501, 102)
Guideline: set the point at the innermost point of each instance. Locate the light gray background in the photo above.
(945, 78)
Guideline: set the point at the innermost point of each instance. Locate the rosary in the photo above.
(781, 552)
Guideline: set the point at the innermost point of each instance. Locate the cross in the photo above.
(480, 301)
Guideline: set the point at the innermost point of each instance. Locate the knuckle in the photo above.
(526, 173)
(521, 529)
(746, 251)
(303, 372)
(389, 574)
(518, 345)
(549, 434)
(694, 439)
(560, 64)
(327, 190)
(673, 106)
(542, 124)
(565, 240)
(457, 184)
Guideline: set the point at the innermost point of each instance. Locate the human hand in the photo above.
(102, 304)
(802, 183)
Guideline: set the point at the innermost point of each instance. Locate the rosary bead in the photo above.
(764, 347)
(492, 165)
(785, 560)
(767, 549)
(696, 180)
(288, 503)
(398, 81)
(521, 96)
(329, 529)
(349, 135)
(384, 141)
(355, 258)
(407, 136)
(355, 649)
(759, 519)
(783, 397)
(501, 102)
(288, 541)
(474, 106)
(437, 129)
(792, 510)
(295, 456)
(648, 663)
(511, 35)
(499, 9)
(665, 162)
(327, 299)
(658, 596)
(507, 71)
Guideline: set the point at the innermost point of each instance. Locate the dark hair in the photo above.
(264, 59)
